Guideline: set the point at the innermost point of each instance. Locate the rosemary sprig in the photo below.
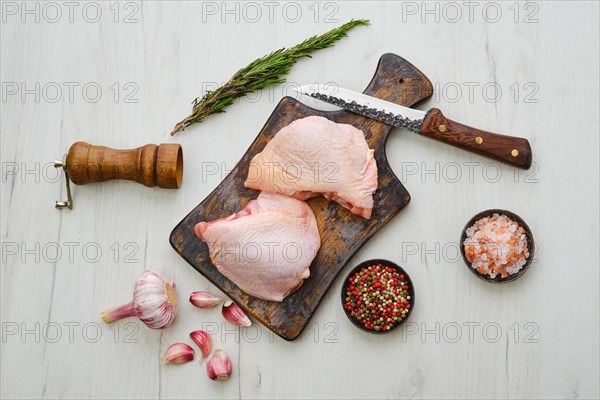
(261, 73)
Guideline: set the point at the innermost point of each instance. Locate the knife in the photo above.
(431, 123)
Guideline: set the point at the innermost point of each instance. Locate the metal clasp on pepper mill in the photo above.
(150, 165)
(69, 202)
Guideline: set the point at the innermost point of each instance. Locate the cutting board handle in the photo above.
(509, 149)
(398, 81)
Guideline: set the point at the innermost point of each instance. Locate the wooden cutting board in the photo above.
(342, 233)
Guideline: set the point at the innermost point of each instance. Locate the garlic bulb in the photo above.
(203, 340)
(234, 314)
(218, 367)
(204, 299)
(178, 353)
(154, 302)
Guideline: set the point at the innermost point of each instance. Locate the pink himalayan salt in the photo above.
(495, 246)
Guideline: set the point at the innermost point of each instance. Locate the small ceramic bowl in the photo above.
(528, 235)
(364, 264)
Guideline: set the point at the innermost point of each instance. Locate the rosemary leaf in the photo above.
(261, 73)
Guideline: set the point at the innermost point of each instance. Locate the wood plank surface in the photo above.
(530, 69)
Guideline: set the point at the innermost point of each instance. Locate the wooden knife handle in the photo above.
(150, 165)
(509, 149)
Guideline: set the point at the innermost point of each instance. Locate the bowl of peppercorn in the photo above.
(378, 296)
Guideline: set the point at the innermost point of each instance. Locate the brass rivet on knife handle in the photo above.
(512, 150)
(150, 165)
(442, 128)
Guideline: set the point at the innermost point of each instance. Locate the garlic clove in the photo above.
(234, 314)
(203, 340)
(178, 353)
(218, 367)
(204, 299)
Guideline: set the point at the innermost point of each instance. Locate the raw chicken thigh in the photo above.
(266, 248)
(314, 156)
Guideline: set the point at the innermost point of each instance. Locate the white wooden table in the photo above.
(122, 74)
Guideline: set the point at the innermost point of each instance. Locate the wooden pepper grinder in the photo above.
(150, 165)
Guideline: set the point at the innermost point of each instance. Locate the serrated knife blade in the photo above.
(368, 106)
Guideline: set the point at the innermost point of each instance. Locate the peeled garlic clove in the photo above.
(204, 299)
(234, 314)
(218, 367)
(203, 340)
(178, 353)
(154, 302)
